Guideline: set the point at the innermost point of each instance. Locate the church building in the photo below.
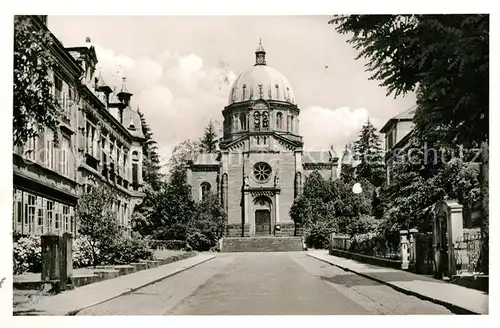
(262, 165)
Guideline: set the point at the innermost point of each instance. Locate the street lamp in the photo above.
(357, 190)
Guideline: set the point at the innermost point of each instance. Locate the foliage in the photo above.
(199, 242)
(369, 152)
(27, 255)
(209, 219)
(82, 252)
(331, 206)
(96, 220)
(182, 153)
(374, 244)
(445, 60)
(174, 245)
(346, 167)
(151, 159)
(318, 234)
(34, 103)
(125, 250)
(208, 143)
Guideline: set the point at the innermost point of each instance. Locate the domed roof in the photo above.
(261, 82)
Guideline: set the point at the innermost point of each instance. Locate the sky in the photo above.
(180, 70)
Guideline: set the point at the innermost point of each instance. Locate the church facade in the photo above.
(261, 165)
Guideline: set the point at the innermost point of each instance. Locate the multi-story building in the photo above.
(99, 141)
(398, 131)
(262, 165)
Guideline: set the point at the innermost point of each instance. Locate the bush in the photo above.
(174, 245)
(318, 235)
(27, 255)
(82, 252)
(374, 244)
(199, 242)
(125, 250)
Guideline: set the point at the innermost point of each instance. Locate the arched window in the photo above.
(244, 89)
(205, 190)
(279, 121)
(292, 121)
(243, 121)
(277, 92)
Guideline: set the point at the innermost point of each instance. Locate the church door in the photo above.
(262, 222)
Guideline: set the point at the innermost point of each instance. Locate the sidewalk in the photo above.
(73, 301)
(463, 299)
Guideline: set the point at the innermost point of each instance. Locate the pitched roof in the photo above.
(407, 115)
(317, 157)
(207, 159)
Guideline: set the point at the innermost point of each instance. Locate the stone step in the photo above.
(262, 244)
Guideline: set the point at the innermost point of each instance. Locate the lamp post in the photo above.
(357, 190)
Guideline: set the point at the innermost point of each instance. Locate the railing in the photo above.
(467, 252)
(366, 244)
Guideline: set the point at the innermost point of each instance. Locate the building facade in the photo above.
(100, 142)
(398, 130)
(261, 166)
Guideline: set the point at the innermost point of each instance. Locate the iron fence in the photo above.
(468, 251)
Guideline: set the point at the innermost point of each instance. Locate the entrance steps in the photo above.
(262, 244)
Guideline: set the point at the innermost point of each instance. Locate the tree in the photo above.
(34, 103)
(444, 59)
(151, 159)
(96, 220)
(182, 153)
(346, 167)
(368, 149)
(208, 142)
(209, 220)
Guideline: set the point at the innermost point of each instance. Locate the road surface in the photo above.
(262, 284)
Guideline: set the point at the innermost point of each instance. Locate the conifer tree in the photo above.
(208, 141)
(370, 154)
(151, 159)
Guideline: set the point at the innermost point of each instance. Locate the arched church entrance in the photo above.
(262, 212)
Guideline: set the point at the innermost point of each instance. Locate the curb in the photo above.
(75, 312)
(452, 307)
(131, 290)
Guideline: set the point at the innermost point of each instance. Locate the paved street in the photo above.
(265, 283)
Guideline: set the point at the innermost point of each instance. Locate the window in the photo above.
(65, 218)
(244, 90)
(390, 140)
(58, 87)
(135, 175)
(243, 121)
(279, 121)
(30, 215)
(64, 154)
(50, 212)
(262, 172)
(292, 124)
(277, 92)
(205, 190)
(51, 153)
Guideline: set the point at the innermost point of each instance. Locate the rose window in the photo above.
(262, 172)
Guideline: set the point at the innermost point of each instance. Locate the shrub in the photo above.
(199, 242)
(318, 235)
(27, 255)
(82, 252)
(125, 250)
(374, 244)
(174, 245)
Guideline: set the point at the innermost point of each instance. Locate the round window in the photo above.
(262, 172)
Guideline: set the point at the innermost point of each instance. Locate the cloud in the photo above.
(324, 127)
(177, 93)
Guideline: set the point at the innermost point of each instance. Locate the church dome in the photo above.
(261, 82)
